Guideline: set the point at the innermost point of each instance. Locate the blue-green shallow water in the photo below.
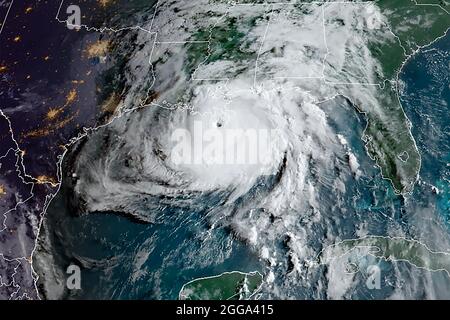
(426, 99)
(122, 259)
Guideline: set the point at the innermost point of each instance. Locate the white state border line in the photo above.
(20, 168)
(1, 278)
(151, 33)
(19, 151)
(368, 246)
(13, 280)
(269, 13)
(380, 84)
(86, 131)
(430, 5)
(6, 17)
(103, 29)
(262, 44)
(272, 5)
(21, 202)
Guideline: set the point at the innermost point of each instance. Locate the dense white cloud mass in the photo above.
(295, 66)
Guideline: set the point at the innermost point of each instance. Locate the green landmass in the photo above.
(227, 286)
(388, 136)
(389, 140)
(227, 42)
(392, 249)
(414, 25)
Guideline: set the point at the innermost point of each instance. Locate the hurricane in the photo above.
(298, 89)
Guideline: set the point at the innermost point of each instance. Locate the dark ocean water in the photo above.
(122, 259)
(426, 101)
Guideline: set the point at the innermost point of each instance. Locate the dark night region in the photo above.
(224, 150)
